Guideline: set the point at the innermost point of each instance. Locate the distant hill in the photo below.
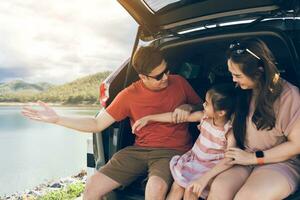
(80, 91)
(19, 86)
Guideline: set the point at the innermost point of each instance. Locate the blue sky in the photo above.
(58, 41)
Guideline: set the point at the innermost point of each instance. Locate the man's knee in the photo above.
(97, 186)
(92, 192)
(156, 188)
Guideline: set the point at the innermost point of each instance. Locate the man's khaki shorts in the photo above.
(134, 162)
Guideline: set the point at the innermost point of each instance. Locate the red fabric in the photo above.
(136, 101)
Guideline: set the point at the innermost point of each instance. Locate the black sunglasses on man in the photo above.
(161, 75)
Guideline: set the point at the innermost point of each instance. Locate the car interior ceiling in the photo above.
(205, 64)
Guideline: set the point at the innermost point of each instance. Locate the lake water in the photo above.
(33, 152)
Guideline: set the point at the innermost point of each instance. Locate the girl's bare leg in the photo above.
(176, 192)
(189, 195)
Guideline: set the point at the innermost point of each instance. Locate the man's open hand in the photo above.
(47, 114)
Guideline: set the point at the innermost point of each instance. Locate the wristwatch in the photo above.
(260, 157)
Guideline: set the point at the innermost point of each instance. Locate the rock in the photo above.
(81, 174)
(30, 192)
(56, 185)
(68, 180)
(37, 193)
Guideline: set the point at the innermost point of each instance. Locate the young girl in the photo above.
(194, 170)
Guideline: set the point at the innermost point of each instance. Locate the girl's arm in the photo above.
(199, 185)
(164, 117)
(140, 123)
(195, 116)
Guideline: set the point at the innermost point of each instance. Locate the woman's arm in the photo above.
(279, 153)
(286, 150)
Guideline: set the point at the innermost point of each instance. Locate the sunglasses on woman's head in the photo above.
(161, 75)
(238, 49)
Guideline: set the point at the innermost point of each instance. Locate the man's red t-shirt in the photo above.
(137, 101)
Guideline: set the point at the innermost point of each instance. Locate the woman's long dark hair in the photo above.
(264, 73)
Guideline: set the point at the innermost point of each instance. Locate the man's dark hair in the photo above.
(146, 59)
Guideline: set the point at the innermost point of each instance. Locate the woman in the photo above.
(266, 129)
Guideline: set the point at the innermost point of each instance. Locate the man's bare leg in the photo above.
(98, 185)
(156, 189)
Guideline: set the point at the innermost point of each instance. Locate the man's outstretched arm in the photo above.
(88, 124)
(84, 124)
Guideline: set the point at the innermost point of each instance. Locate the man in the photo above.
(155, 92)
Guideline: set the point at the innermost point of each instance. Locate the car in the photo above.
(194, 35)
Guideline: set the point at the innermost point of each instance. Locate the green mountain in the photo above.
(80, 91)
(20, 86)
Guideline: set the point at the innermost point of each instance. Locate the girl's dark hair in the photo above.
(257, 62)
(223, 98)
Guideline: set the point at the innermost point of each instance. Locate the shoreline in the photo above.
(47, 187)
(2, 104)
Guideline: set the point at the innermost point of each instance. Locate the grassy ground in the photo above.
(70, 192)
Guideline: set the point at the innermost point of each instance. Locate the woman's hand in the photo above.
(45, 115)
(198, 186)
(140, 123)
(240, 156)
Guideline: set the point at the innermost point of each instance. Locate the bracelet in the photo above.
(260, 161)
(260, 157)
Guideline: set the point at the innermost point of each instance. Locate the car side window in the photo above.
(189, 70)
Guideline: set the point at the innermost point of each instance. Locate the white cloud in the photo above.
(58, 41)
